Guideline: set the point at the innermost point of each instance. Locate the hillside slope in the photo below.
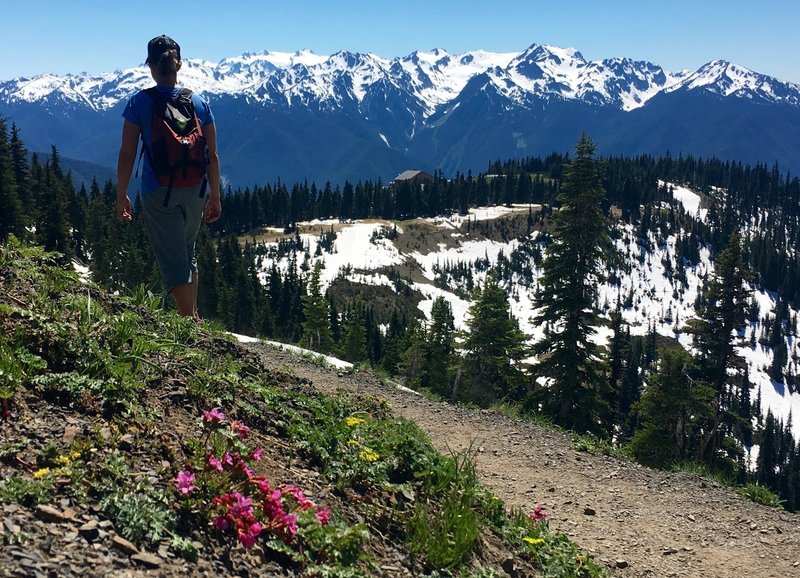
(133, 443)
(638, 522)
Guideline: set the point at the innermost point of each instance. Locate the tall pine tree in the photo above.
(726, 300)
(11, 214)
(577, 391)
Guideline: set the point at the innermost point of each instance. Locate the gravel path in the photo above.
(638, 522)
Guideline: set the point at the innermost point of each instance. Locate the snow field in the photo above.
(655, 299)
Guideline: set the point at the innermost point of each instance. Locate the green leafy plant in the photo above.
(552, 552)
(184, 548)
(16, 365)
(447, 529)
(141, 513)
(593, 444)
(29, 492)
(760, 495)
(699, 469)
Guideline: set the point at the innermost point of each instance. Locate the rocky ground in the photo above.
(638, 522)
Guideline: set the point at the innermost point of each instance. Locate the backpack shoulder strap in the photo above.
(184, 97)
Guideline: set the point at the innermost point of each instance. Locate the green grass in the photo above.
(446, 531)
(760, 495)
(703, 470)
(596, 445)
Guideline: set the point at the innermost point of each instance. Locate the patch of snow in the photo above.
(327, 359)
(84, 274)
(688, 199)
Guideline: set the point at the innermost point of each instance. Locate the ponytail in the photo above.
(168, 62)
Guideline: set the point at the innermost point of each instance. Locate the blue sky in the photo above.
(60, 36)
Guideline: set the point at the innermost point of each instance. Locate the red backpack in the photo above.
(177, 151)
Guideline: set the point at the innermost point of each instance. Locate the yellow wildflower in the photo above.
(354, 421)
(368, 455)
(533, 541)
(64, 460)
(41, 473)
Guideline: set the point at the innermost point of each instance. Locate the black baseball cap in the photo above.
(158, 46)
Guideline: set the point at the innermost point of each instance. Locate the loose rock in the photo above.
(147, 559)
(124, 545)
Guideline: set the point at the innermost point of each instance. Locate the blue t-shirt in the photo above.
(139, 111)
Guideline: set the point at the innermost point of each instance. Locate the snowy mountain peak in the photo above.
(432, 78)
(559, 56)
(727, 79)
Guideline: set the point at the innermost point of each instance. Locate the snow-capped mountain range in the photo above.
(430, 109)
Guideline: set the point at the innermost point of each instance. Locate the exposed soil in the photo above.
(637, 521)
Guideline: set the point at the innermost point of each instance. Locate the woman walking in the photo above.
(180, 172)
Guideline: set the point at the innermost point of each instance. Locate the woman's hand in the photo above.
(124, 209)
(213, 209)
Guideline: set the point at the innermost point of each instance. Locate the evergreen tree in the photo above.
(767, 463)
(439, 348)
(577, 393)
(629, 391)
(22, 169)
(669, 411)
(52, 226)
(725, 299)
(208, 299)
(394, 343)
(617, 355)
(492, 348)
(316, 327)
(412, 360)
(11, 214)
(354, 335)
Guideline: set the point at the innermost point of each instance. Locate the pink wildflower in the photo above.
(263, 485)
(214, 463)
(240, 429)
(290, 523)
(184, 482)
(243, 505)
(324, 516)
(272, 504)
(221, 523)
(257, 454)
(249, 534)
(538, 514)
(303, 502)
(213, 416)
(227, 459)
(239, 464)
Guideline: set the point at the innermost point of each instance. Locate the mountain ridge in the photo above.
(394, 113)
(443, 74)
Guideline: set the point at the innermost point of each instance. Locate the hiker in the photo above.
(180, 172)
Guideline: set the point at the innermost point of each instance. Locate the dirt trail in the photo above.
(636, 521)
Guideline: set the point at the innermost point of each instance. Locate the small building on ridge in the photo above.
(412, 176)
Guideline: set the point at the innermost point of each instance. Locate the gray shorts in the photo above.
(172, 231)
